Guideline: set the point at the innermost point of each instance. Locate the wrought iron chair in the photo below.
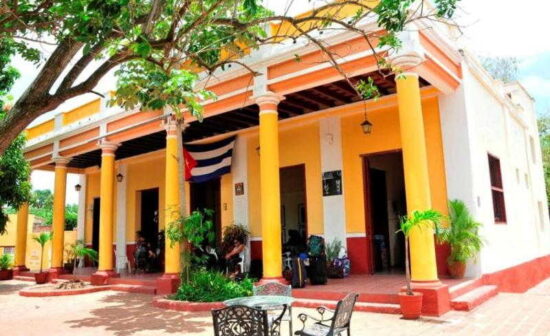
(245, 321)
(339, 322)
(276, 288)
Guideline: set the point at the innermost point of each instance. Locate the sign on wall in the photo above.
(332, 183)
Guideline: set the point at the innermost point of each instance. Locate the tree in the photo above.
(14, 169)
(159, 47)
(42, 199)
(502, 68)
(544, 134)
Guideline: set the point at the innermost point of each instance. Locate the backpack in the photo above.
(316, 246)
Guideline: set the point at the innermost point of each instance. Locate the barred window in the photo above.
(497, 190)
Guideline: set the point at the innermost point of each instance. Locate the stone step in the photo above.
(383, 308)
(134, 289)
(474, 298)
(464, 287)
(24, 278)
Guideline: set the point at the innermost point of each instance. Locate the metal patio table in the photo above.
(265, 302)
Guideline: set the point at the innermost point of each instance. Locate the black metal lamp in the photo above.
(119, 177)
(77, 187)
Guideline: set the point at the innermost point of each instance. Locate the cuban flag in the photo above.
(207, 161)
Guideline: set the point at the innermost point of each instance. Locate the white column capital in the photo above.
(61, 161)
(108, 147)
(411, 53)
(170, 124)
(268, 98)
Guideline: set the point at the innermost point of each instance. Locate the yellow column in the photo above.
(58, 221)
(106, 193)
(172, 265)
(417, 181)
(270, 196)
(21, 243)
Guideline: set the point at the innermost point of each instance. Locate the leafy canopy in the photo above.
(162, 49)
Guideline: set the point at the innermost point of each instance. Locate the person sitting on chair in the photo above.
(233, 258)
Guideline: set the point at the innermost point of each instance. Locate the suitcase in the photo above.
(299, 274)
(318, 270)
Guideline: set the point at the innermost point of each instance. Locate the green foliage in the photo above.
(198, 230)
(6, 261)
(334, 248)
(234, 232)
(462, 234)
(427, 219)
(207, 286)
(71, 216)
(79, 250)
(418, 220)
(41, 205)
(544, 134)
(42, 239)
(502, 68)
(14, 169)
(367, 89)
(42, 199)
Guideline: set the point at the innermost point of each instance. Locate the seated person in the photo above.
(295, 243)
(144, 255)
(233, 258)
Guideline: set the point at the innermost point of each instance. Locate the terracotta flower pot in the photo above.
(457, 269)
(411, 305)
(6, 274)
(41, 277)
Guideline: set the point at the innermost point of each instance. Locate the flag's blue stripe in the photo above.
(214, 160)
(214, 174)
(209, 146)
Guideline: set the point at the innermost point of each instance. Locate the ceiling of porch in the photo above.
(295, 104)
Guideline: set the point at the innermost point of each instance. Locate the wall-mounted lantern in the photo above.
(119, 177)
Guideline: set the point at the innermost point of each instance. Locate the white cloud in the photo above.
(506, 27)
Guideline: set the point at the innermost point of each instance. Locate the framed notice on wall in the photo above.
(332, 183)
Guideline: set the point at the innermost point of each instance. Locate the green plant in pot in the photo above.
(6, 262)
(79, 251)
(410, 301)
(463, 237)
(42, 277)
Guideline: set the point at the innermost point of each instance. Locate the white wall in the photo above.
(476, 120)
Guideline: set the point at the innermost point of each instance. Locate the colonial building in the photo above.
(304, 161)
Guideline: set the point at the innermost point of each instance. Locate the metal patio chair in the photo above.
(334, 326)
(276, 288)
(245, 321)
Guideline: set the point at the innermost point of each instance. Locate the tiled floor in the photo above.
(123, 314)
(371, 284)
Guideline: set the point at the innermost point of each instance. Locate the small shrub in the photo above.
(6, 261)
(208, 286)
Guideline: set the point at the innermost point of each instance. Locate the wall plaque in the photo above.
(332, 183)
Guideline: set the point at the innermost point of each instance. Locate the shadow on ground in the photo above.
(126, 314)
(11, 288)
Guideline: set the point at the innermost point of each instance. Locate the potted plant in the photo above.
(42, 277)
(6, 273)
(463, 237)
(79, 251)
(410, 301)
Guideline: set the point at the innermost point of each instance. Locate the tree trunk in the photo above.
(183, 200)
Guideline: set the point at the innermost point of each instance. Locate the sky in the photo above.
(490, 28)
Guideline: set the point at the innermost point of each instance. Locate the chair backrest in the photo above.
(273, 288)
(240, 321)
(344, 309)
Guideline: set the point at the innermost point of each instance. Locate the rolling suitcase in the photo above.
(299, 274)
(318, 270)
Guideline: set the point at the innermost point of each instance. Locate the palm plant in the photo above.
(79, 250)
(418, 220)
(462, 234)
(6, 261)
(42, 239)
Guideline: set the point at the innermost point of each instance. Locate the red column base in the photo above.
(54, 273)
(17, 270)
(265, 280)
(168, 283)
(100, 278)
(436, 298)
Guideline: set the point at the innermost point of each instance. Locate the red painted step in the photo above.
(24, 278)
(383, 308)
(464, 287)
(134, 289)
(474, 298)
